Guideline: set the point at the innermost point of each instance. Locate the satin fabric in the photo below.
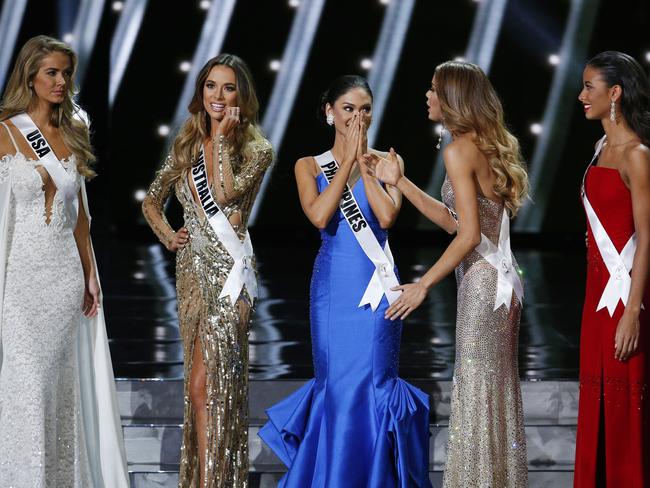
(614, 410)
(102, 424)
(356, 424)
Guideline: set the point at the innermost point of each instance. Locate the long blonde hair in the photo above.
(67, 116)
(469, 103)
(188, 141)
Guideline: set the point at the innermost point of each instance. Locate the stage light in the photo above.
(294, 3)
(139, 275)
(139, 195)
(366, 63)
(554, 59)
(163, 130)
(647, 56)
(185, 66)
(536, 128)
(459, 58)
(205, 4)
(118, 6)
(68, 37)
(275, 64)
(384, 2)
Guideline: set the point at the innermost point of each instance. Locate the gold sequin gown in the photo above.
(487, 443)
(202, 267)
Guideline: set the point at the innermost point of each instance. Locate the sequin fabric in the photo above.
(487, 443)
(220, 328)
(41, 431)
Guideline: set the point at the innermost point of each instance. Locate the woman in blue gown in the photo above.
(356, 424)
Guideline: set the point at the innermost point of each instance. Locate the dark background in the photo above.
(129, 148)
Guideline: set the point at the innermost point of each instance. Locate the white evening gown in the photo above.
(45, 439)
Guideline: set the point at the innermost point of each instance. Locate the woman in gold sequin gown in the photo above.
(222, 123)
(486, 184)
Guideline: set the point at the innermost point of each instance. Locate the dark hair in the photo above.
(339, 87)
(618, 68)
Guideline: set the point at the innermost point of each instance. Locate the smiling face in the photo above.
(52, 80)
(219, 92)
(356, 101)
(433, 104)
(596, 97)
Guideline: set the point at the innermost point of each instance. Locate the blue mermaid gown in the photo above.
(356, 424)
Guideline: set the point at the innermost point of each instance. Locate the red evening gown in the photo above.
(613, 439)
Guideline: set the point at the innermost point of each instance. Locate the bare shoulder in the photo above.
(306, 165)
(461, 153)
(6, 146)
(636, 161)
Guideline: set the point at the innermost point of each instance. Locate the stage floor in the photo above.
(140, 307)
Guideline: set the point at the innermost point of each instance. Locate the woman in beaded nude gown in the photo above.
(356, 424)
(215, 168)
(613, 439)
(59, 422)
(485, 185)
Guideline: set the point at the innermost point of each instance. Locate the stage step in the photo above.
(152, 412)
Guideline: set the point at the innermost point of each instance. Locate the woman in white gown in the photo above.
(59, 425)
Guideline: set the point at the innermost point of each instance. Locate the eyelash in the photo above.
(211, 86)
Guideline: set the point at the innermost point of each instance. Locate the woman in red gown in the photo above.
(613, 440)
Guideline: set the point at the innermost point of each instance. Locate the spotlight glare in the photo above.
(647, 56)
(163, 130)
(205, 4)
(68, 37)
(139, 275)
(275, 64)
(459, 58)
(366, 63)
(384, 2)
(536, 128)
(554, 59)
(185, 66)
(118, 6)
(294, 3)
(139, 195)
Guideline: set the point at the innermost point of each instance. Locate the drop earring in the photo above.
(612, 111)
(440, 136)
(330, 118)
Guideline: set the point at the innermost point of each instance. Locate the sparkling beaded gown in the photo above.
(59, 426)
(202, 267)
(487, 444)
(356, 424)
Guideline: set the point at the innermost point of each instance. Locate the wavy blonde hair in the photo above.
(67, 116)
(469, 103)
(188, 141)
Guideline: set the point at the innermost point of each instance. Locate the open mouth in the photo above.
(218, 107)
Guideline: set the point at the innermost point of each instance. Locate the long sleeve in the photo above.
(248, 176)
(153, 203)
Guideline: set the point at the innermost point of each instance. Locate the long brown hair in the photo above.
(67, 116)
(187, 144)
(469, 103)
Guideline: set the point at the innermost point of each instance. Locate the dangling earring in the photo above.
(612, 111)
(442, 131)
(330, 118)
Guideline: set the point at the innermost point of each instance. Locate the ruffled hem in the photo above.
(401, 450)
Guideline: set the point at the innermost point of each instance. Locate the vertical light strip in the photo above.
(557, 115)
(480, 50)
(292, 68)
(10, 22)
(86, 27)
(386, 57)
(213, 34)
(122, 43)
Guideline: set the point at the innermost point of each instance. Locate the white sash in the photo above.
(384, 278)
(501, 259)
(242, 273)
(65, 183)
(618, 265)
